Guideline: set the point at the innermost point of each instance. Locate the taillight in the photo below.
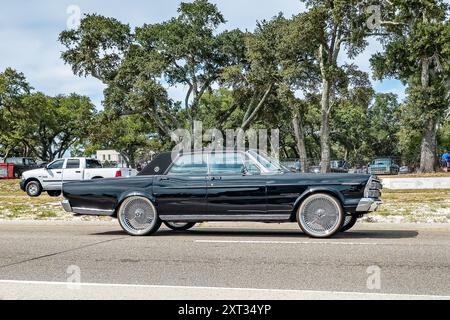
(118, 173)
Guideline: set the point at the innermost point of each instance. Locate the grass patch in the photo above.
(16, 204)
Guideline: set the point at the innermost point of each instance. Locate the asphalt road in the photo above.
(223, 261)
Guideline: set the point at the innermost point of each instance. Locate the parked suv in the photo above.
(21, 164)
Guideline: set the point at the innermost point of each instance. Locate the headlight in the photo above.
(376, 184)
(373, 194)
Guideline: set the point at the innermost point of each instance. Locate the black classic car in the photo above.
(226, 186)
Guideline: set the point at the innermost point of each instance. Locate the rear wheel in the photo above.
(349, 222)
(179, 226)
(320, 216)
(33, 188)
(138, 217)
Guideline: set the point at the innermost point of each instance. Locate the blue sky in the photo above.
(29, 32)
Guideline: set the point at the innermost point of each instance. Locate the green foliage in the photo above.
(129, 135)
(416, 51)
(383, 125)
(38, 125)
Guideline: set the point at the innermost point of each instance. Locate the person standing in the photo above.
(446, 160)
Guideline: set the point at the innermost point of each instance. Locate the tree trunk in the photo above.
(249, 116)
(325, 128)
(300, 142)
(428, 147)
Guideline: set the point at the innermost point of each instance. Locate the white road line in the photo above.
(198, 292)
(293, 242)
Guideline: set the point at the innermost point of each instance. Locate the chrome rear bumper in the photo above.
(368, 205)
(85, 211)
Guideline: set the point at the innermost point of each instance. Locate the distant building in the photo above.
(110, 156)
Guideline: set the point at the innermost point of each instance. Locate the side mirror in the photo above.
(244, 170)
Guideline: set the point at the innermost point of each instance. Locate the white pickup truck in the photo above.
(51, 177)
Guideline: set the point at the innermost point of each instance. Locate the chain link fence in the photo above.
(379, 165)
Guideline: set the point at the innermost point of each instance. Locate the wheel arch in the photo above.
(33, 179)
(134, 193)
(315, 190)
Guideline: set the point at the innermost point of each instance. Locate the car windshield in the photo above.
(268, 162)
(383, 162)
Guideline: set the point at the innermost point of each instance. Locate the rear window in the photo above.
(92, 164)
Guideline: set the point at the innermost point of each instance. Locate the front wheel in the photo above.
(33, 188)
(349, 222)
(320, 216)
(179, 226)
(138, 217)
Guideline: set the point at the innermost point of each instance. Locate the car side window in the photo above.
(226, 163)
(73, 164)
(58, 164)
(190, 165)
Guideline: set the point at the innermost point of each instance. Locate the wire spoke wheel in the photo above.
(138, 216)
(347, 220)
(350, 221)
(320, 215)
(179, 226)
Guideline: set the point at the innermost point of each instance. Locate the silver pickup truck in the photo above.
(51, 178)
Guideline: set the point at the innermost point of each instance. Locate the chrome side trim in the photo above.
(351, 183)
(92, 212)
(66, 205)
(368, 205)
(231, 217)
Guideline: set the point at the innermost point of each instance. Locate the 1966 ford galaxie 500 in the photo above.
(226, 186)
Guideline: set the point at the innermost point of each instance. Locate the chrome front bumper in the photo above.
(368, 205)
(66, 205)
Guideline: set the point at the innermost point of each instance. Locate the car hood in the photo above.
(35, 173)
